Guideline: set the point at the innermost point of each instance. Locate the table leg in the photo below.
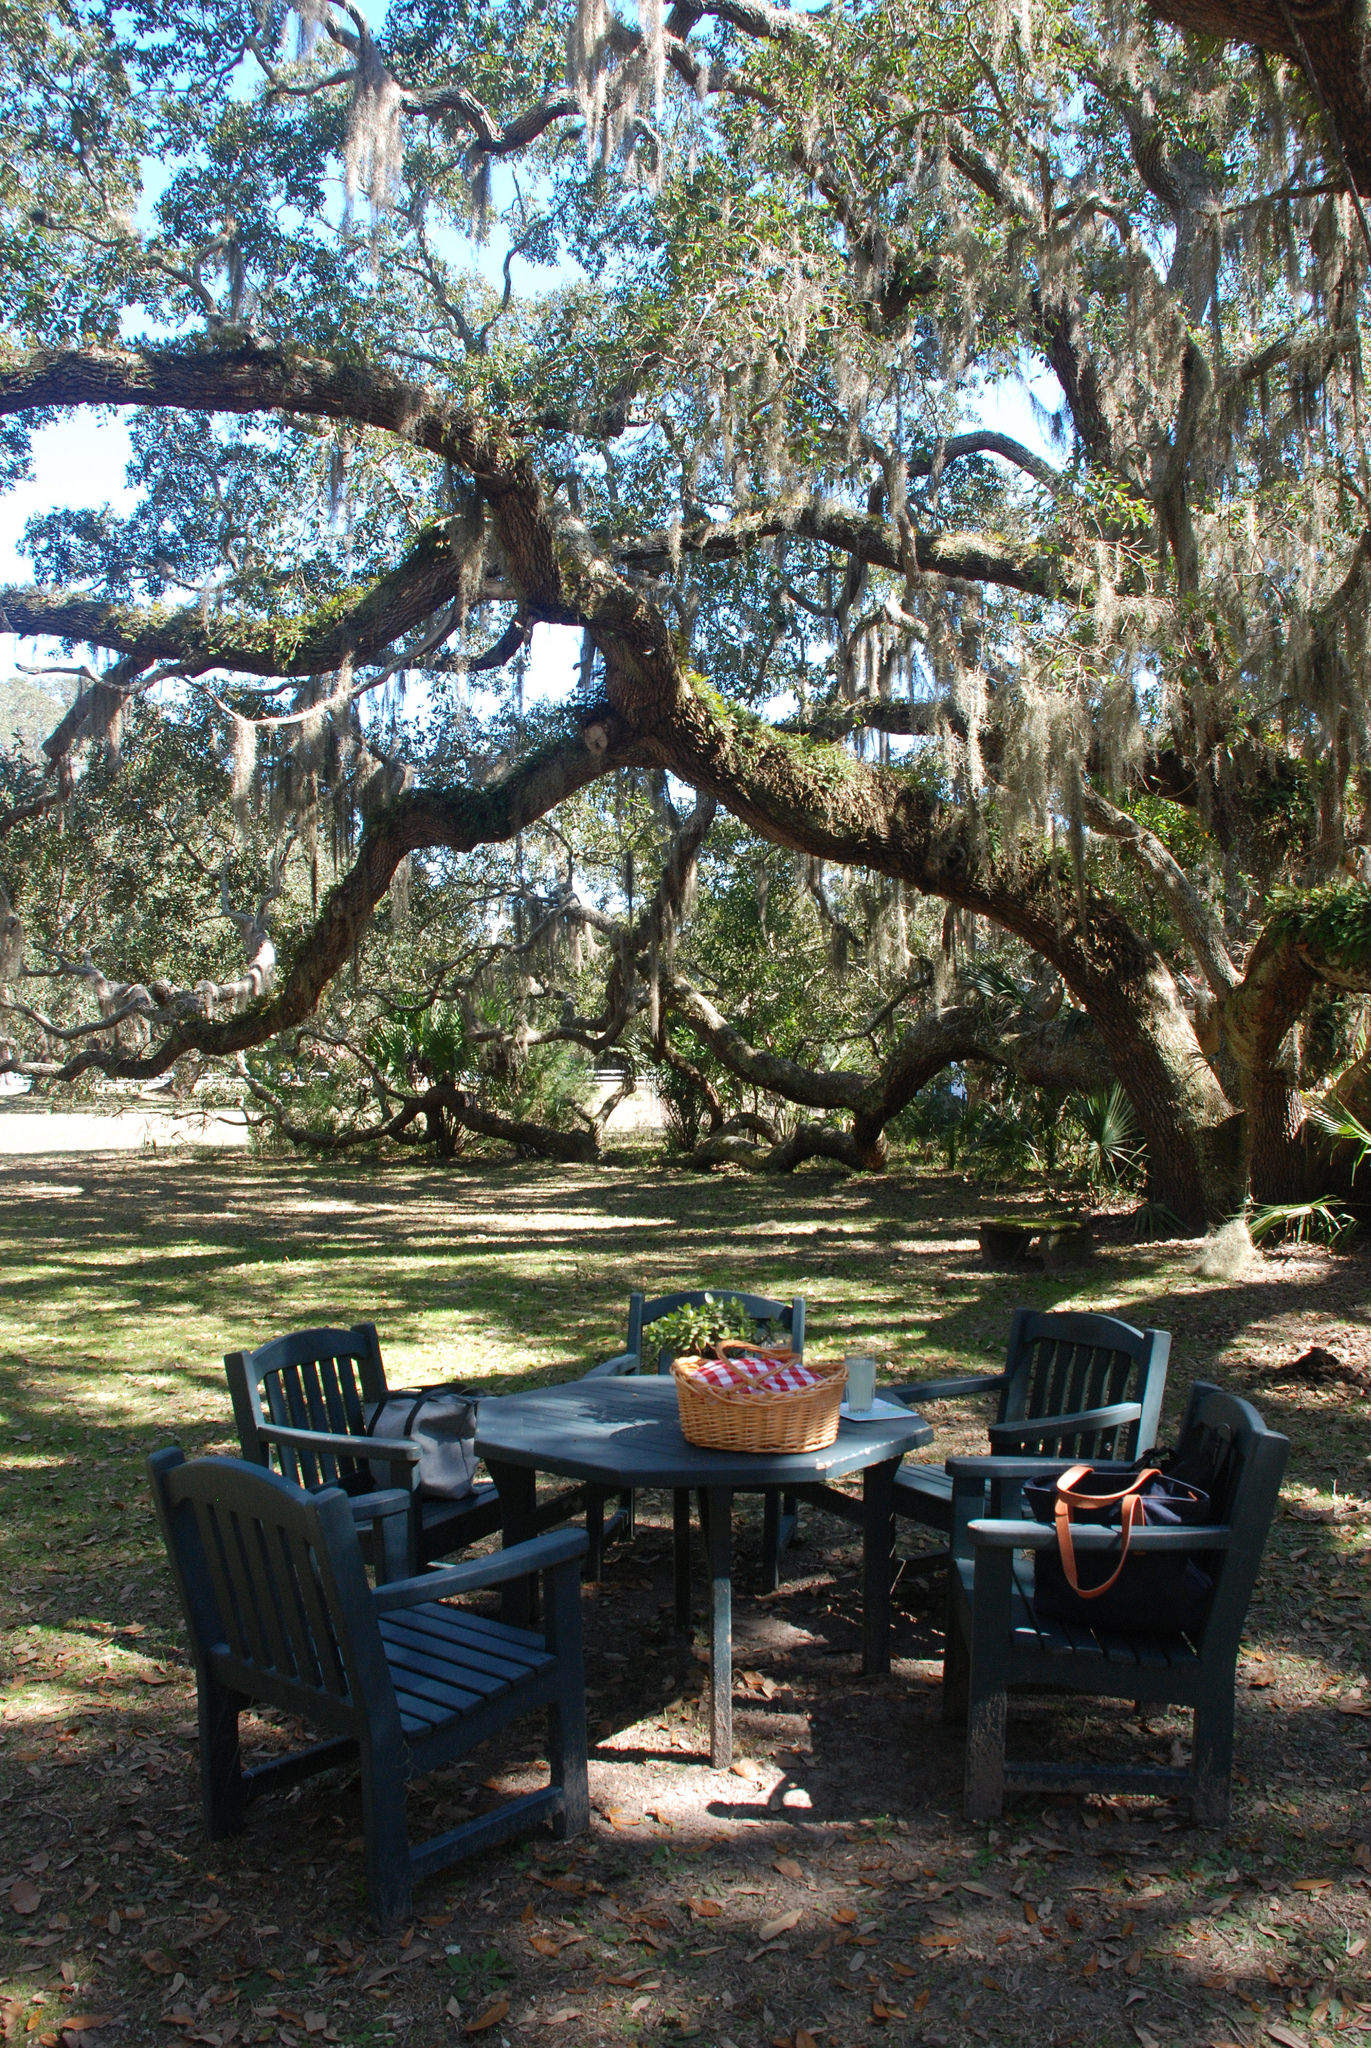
(719, 1545)
(518, 1489)
(771, 1540)
(680, 1555)
(878, 1537)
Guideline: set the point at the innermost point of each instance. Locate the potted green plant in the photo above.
(693, 1330)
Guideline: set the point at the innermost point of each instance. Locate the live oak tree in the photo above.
(718, 388)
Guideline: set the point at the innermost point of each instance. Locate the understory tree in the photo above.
(944, 433)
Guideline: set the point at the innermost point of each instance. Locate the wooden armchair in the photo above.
(1073, 1386)
(301, 1405)
(278, 1609)
(785, 1320)
(995, 1642)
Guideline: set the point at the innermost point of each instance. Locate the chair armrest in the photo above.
(396, 1450)
(563, 1546)
(1026, 1468)
(622, 1363)
(948, 1389)
(993, 1535)
(374, 1507)
(1083, 1421)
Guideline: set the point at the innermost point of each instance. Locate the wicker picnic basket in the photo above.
(758, 1417)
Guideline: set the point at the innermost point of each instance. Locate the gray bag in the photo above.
(442, 1421)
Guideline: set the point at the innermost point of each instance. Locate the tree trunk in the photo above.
(1256, 1020)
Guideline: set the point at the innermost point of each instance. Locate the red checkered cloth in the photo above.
(756, 1374)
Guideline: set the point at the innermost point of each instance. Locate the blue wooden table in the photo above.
(627, 1433)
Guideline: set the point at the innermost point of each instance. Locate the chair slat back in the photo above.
(313, 1379)
(785, 1317)
(273, 1579)
(1062, 1364)
(1226, 1447)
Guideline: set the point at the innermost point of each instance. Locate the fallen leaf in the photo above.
(804, 2039)
(1030, 1913)
(544, 1944)
(158, 1961)
(1150, 2040)
(1287, 2036)
(491, 2017)
(844, 1916)
(782, 1924)
(788, 1867)
(25, 1896)
(1312, 1884)
(709, 1909)
(1133, 1963)
(85, 2022)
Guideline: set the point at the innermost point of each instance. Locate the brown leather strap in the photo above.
(1131, 1512)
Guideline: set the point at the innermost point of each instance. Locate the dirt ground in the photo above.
(824, 1891)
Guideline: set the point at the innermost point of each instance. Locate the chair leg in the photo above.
(987, 1647)
(221, 1759)
(390, 1878)
(956, 1677)
(983, 1785)
(595, 1534)
(566, 1720)
(1211, 1763)
(680, 1554)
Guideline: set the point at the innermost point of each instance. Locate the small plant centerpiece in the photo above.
(697, 1328)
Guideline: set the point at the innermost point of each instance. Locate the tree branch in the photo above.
(968, 557)
(1200, 924)
(459, 819)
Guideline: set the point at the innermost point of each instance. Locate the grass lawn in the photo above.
(837, 1831)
